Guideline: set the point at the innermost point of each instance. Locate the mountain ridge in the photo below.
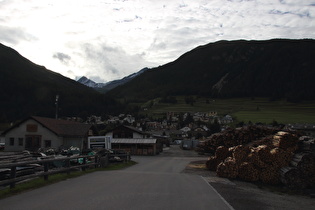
(276, 68)
(90, 83)
(105, 87)
(30, 89)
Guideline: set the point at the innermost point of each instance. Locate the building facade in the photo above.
(35, 132)
(134, 141)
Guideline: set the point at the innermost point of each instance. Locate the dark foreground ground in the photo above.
(175, 179)
(243, 195)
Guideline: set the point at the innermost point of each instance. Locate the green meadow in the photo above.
(241, 109)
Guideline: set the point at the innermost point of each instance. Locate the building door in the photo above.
(33, 143)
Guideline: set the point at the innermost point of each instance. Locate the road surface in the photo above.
(156, 182)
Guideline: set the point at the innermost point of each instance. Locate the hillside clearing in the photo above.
(242, 109)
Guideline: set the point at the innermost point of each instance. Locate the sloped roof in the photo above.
(133, 141)
(59, 127)
(128, 127)
(134, 129)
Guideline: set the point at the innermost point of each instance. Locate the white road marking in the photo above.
(218, 194)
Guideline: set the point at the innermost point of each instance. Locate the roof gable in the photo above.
(59, 127)
(133, 129)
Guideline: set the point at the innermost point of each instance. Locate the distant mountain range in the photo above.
(105, 87)
(90, 83)
(278, 68)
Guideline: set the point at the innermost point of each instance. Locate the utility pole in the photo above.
(56, 103)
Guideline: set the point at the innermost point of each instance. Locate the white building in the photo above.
(40, 132)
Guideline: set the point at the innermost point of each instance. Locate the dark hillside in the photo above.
(274, 68)
(29, 89)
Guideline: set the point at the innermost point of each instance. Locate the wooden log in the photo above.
(305, 162)
(292, 178)
(228, 168)
(305, 145)
(255, 160)
(240, 153)
(222, 153)
(280, 157)
(285, 140)
(269, 175)
(263, 152)
(248, 172)
(212, 163)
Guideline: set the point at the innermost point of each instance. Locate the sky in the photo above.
(106, 40)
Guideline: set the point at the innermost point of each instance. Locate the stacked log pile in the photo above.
(16, 157)
(273, 159)
(235, 137)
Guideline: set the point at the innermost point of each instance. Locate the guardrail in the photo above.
(45, 163)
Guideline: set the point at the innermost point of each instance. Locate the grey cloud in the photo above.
(129, 20)
(97, 79)
(300, 14)
(112, 61)
(14, 35)
(63, 58)
(100, 55)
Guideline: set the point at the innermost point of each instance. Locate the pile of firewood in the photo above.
(16, 157)
(301, 171)
(235, 137)
(270, 160)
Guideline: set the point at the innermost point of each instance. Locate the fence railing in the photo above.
(46, 171)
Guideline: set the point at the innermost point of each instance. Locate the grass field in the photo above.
(242, 109)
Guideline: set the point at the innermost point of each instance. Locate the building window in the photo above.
(11, 141)
(31, 128)
(21, 141)
(47, 143)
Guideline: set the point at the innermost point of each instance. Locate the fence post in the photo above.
(104, 161)
(68, 166)
(12, 176)
(96, 159)
(84, 162)
(46, 170)
(128, 156)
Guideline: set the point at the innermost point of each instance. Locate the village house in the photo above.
(225, 120)
(94, 120)
(129, 119)
(199, 132)
(153, 125)
(134, 141)
(177, 134)
(40, 132)
(113, 120)
(185, 129)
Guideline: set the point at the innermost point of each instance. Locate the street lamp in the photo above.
(56, 103)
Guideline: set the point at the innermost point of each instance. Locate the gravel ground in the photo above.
(243, 195)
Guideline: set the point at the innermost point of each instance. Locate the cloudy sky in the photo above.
(109, 39)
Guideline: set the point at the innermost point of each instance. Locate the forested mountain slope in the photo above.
(278, 68)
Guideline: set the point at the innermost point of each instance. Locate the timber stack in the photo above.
(234, 137)
(278, 157)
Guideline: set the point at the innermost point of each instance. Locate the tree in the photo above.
(215, 127)
(189, 119)
(190, 100)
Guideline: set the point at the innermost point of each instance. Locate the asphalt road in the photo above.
(155, 183)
